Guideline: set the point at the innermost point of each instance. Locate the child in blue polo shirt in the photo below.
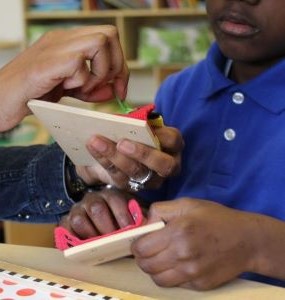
(225, 211)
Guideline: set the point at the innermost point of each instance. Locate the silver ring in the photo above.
(137, 184)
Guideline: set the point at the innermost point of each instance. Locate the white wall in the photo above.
(11, 27)
(11, 20)
(142, 87)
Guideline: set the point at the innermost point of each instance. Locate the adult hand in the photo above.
(202, 246)
(98, 213)
(119, 162)
(57, 65)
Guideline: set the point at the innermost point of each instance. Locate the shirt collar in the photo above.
(267, 90)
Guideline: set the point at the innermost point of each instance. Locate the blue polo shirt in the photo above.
(234, 135)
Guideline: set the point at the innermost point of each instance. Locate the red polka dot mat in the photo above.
(15, 286)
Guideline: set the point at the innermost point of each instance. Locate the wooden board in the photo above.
(111, 247)
(72, 127)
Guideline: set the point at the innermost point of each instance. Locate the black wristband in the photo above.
(76, 187)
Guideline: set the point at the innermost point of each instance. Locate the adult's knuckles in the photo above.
(147, 267)
(112, 31)
(200, 284)
(99, 40)
(77, 221)
(51, 36)
(48, 36)
(162, 282)
(142, 152)
(98, 209)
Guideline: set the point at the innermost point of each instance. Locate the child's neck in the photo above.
(242, 71)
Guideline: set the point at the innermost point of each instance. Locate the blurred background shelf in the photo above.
(10, 44)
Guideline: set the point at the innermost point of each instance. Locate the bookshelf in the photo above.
(129, 23)
(4, 44)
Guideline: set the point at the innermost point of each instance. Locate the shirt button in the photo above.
(229, 134)
(47, 205)
(238, 98)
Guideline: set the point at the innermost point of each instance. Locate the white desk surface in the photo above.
(125, 275)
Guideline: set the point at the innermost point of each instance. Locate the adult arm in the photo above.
(32, 184)
(57, 65)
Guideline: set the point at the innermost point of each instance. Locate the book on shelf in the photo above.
(128, 4)
(116, 3)
(172, 3)
(182, 3)
(46, 5)
(172, 44)
(98, 5)
(101, 4)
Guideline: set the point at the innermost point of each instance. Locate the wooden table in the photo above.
(126, 276)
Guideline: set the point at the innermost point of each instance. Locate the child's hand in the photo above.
(202, 246)
(126, 159)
